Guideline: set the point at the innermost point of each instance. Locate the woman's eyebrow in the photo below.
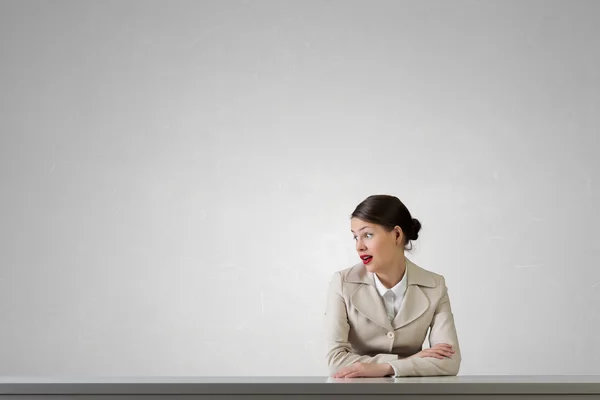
(364, 227)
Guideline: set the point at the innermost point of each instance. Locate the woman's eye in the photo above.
(369, 235)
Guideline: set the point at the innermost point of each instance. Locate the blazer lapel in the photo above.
(366, 299)
(415, 303)
(368, 302)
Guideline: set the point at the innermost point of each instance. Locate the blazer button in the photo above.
(391, 335)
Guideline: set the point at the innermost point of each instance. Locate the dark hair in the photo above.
(389, 212)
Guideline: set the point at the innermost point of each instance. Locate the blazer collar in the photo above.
(367, 301)
(415, 275)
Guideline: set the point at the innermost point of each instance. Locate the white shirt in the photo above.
(392, 308)
(399, 290)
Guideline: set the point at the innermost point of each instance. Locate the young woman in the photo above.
(379, 311)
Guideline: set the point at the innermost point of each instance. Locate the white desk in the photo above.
(298, 388)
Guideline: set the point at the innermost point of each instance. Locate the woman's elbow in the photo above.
(332, 365)
(453, 367)
(332, 368)
(335, 360)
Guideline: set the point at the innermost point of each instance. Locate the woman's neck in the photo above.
(393, 275)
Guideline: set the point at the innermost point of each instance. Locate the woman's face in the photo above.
(377, 248)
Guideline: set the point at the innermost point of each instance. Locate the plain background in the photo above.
(177, 177)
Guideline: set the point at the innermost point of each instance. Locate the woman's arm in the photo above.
(442, 330)
(339, 350)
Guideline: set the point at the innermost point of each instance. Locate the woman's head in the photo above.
(383, 228)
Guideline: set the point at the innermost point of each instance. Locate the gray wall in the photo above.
(177, 177)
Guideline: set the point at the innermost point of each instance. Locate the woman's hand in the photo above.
(365, 370)
(370, 370)
(440, 350)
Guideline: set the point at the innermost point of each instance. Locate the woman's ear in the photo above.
(399, 235)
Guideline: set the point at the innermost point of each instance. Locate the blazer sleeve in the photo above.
(339, 350)
(442, 330)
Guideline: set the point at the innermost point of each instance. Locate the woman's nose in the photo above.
(360, 246)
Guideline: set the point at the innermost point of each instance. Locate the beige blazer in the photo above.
(358, 328)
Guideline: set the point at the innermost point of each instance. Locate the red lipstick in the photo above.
(366, 258)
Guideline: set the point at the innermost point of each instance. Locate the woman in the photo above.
(379, 311)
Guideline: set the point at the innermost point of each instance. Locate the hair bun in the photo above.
(416, 228)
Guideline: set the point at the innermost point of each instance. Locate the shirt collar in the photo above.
(398, 290)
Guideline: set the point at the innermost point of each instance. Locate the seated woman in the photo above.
(379, 311)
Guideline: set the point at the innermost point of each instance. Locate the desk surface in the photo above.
(477, 384)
